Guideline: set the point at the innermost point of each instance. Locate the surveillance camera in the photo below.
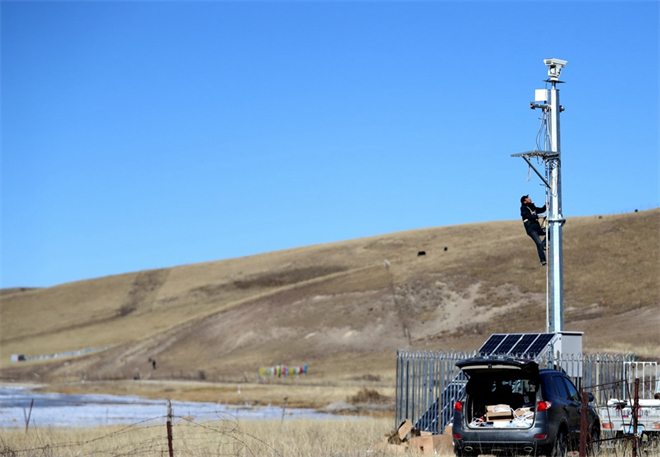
(555, 62)
(554, 68)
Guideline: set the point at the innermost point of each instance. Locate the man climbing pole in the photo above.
(529, 213)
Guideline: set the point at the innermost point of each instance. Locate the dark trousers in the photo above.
(535, 232)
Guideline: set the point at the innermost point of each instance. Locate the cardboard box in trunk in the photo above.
(521, 412)
(498, 412)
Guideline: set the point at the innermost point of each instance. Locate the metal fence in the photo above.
(428, 383)
(590, 369)
(648, 374)
(629, 420)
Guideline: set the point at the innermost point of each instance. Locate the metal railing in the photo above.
(428, 383)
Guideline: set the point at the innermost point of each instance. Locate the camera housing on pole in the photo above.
(547, 100)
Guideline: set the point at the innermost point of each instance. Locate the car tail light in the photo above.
(543, 406)
(458, 406)
(540, 436)
(457, 436)
(656, 426)
(608, 425)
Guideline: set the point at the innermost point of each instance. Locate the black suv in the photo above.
(510, 406)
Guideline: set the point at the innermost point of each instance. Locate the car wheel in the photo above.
(593, 446)
(560, 448)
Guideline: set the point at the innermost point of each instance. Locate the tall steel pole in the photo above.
(551, 157)
(555, 218)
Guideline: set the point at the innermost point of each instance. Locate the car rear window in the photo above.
(549, 388)
(560, 387)
(572, 391)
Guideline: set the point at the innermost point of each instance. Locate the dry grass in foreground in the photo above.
(346, 436)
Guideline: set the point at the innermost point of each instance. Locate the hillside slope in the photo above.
(343, 308)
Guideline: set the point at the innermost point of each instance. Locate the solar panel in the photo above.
(540, 344)
(491, 344)
(508, 343)
(529, 344)
(524, 343)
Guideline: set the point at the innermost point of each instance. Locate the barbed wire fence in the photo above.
(161, 436)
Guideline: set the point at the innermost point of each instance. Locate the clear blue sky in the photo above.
(139, 135)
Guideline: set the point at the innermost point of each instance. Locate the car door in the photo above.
(572, 408)
(564, 408)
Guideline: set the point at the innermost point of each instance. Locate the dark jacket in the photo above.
(528, 212)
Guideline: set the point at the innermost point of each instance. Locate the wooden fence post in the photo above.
(169, 428)
(283, 409)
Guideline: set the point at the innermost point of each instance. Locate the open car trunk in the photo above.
(500, 393)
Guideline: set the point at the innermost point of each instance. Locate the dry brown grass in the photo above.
(366, 395)
(267, 438)
(338, 308)
(227, 437)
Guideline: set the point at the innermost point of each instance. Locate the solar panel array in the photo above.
(529, 344)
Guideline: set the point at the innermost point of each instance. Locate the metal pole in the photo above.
(552, 180)
(555, 217)
(635, 409)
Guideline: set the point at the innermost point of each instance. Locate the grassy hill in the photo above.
(342, 308)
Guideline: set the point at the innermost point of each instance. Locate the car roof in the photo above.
(551, 371)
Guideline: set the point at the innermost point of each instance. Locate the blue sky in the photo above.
(140, 135)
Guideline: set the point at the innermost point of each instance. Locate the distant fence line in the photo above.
(428, 383)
